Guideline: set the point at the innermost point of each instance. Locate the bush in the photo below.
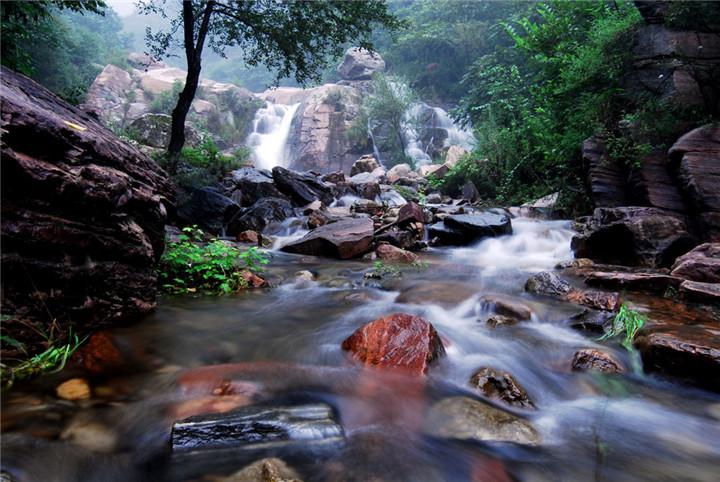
(191, 264)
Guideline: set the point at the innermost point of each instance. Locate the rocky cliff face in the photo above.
(83, 213)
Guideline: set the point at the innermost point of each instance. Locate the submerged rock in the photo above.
(257, 425)
(502, 386)
(398, 341)
(99, 354)
(466, 419)
(501, 320)
(348, 238)
(506, 306)
(595, 360)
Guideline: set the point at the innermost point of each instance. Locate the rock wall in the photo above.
(83, 214)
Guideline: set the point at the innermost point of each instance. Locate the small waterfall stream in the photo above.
(422, 117)
(271, 129)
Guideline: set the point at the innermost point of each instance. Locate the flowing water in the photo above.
(271, 130)
(437, 120)
(287, 340)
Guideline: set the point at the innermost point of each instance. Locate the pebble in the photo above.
(74, 389)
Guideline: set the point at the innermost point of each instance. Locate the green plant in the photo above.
(383, 269)
(627, 322)
(191, 264)
(52, 360)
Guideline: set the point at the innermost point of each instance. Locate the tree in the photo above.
(290, 37)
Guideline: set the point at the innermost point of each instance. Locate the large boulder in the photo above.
(258, 216)
(302, 188)
(83, 213)
(633, 236)
(398, 341)
(360, 64)
(462, 229)
(154, 130)
(206, 208)
(347, 238)
(366, 163)
(247, 185)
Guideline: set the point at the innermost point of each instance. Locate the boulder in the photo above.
(453, 155)
(206, 208)
(410, 212)
(641, 281)
(252, 184)
(547, 283)
(302, 188)
(501, 386)
(595, 360)
(398, 341)
(470, 193)
(348, 238)
(395, 255)
(360, 64)
(701, 264)
(401, 172)
(701, 292)
(258, 216)
(473, 227)
(633, 236)
(154, 130)
(83, 214)
(463, 418)
(107, 94)
(436, 170)
(253, 426)
(505, 306)
(366, 163)
(248, 236)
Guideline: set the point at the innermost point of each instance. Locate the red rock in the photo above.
(99, 354)
(253, 280)
(654, 282)
(410, 212)
(701, 292)
(701, 264)
(388, 252)
(486, 469)
(348, 238)
(398, 341)
(247, 236)
(599, 300)
(506, 306)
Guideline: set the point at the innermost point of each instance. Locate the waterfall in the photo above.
(271, 129)
(421, 117)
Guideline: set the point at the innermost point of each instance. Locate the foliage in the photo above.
(627, 322)
(61, 44)
(51, 360)
(384, 115)
(191, 264)
(384, 270)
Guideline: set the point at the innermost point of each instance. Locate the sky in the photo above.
(122, 7)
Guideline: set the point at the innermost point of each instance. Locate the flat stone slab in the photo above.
(653, 282)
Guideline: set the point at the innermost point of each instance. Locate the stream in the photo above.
(287, 340)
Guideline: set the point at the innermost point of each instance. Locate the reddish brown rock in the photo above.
(410, 212)
(701, 264)
(600, 300)
(652, 282)
(392, 254)
(99, 354)
(247, 236)
(348, 238)
(398, 341)
(252, 280)
(507, 306)
(595, 360)
(502, 386)
(701, 292)
(550, 284)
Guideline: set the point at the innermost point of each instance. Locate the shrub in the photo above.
(627, 322)
(190, 264)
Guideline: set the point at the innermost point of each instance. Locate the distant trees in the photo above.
(293, 38)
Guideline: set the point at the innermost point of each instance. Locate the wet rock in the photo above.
(633, 236)
(366, 163)
(317, 219)
(476, 226)
(360, 64)
(701, 264)
(505, 306)
(445, 293)
(74, 389)
(348, 238)
(392, 254)
(398, 341)
(304, 275)
(251, 280)
(258, 216)
(651, 282)
(501, 320)
(337, 177)
(366, 206)
(591, 320)
(253, 185)
(401, 238)
(463, 418)
(302, 188)
(265, 470)
(365, 185)
(595, 360)
(599, 300)
(206, 208)
(83, 213)
(575, 263)
(99, 354)
(701, 292)
(689, 352)
(410, 212)
(434, 198)
(441, 235)
(248, 236)
(547, 283)
(257, 426)
(500, 385)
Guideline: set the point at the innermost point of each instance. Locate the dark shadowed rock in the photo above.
(440, 234)
(259, 215)
(83, 213)
(398, 341)
(477, 226)
(302, 188)
(641, 281)
(633, 236)
(606, 178)
(348, 238)
(207, 208)
(595, 360)
(402, 238)
(701, 264)
(500, 385)
(154, 130)
(253, 184)
(463, 418)
(591, 320)
(256, 425)
(701, 292)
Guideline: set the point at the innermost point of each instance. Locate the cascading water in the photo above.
(271, 129)
(421, 117)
